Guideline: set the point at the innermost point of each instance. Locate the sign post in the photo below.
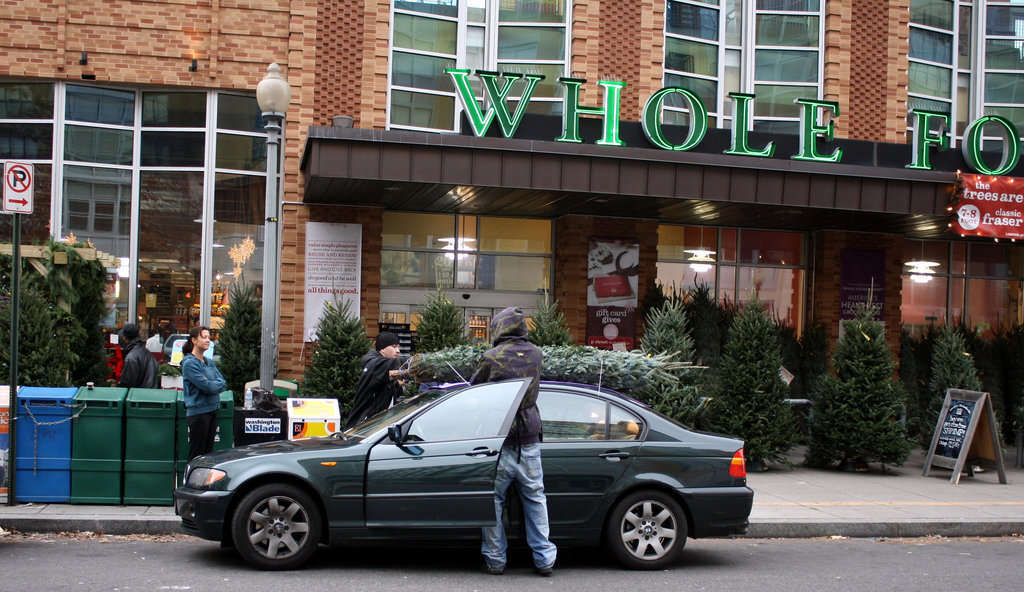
(966, 435)
(19, 178)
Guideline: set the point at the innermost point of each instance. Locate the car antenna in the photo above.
(455, 371)
(600, 375)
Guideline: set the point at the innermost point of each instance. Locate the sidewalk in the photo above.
(789, 502)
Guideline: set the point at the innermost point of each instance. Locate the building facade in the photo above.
(801, 152)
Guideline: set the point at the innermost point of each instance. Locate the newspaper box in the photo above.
(308, 418)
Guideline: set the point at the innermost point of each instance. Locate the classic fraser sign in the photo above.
(927, 128)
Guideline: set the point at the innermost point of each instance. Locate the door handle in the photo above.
(482, 451)
(614, 456)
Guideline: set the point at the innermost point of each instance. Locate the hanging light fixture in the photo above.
(701, 258)
(921, 271)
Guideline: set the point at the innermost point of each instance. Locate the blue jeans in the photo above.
(528, 476)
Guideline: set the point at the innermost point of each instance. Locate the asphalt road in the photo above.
(84, 563)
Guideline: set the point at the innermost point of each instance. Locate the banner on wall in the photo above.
(333, 263)
(861, 277)
(990, 206)
(612, 268)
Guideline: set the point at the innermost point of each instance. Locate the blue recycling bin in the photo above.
(43, 463)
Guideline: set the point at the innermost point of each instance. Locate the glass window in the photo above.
(425, 34)
(707, 90)
(565, 416)
(411, 230)
(532, 11)
(787, 30)
(531, 43)
(692, 21)
(549, 87)
(420, 71)
(923, 301)
(931, 45)
(422, 110)
(100, 105)
(996, 260)
(993, 304)
(477, 412)
(97, 206)
(173, 109)
(242, 153)
(239, 213)
(26, 141)
(933, 13)
(786, 65)
(691, 56)
(524, 274)
(94, 144)
(26, 100)
(778, 101)
(242, 113)
(177, 149)
(764, 247)
(170, 232)
(1004, 88)
(515, 235)
(438, 7)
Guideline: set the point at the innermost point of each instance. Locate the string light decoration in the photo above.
(240, 253)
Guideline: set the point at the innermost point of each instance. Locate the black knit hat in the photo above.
(385, 339)
(130, 332)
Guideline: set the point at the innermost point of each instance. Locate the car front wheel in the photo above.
(276, 527)
(646, 530)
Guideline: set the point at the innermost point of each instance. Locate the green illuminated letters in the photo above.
(924, 137)
(810, 130)
(972, 145)
(651, 119)
(497, 99)
(741, 128)
(609, 111)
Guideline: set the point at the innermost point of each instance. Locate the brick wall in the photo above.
(294, 354)
(572, 238)
(828, 247)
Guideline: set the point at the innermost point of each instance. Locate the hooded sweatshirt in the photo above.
(512, 356)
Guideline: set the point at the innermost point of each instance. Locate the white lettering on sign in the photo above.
(262, 425)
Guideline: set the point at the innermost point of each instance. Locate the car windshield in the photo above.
(395, 414)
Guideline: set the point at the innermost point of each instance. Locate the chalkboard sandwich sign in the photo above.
(966, 435)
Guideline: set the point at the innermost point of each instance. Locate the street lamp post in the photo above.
(273, 95)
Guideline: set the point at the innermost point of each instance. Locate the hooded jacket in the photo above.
(375, 390)
(512, 356)
(140, 369)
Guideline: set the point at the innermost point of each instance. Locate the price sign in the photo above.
(18, 181)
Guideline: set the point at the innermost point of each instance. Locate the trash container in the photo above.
(97, 445)
(5, 438)
(43, 438)
(225, 432)
(253, 426)
(149, 447)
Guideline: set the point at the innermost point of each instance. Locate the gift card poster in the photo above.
(612, 270)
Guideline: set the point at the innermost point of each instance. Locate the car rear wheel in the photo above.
(276, 526)
(646, 530)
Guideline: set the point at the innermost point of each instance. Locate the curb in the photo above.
(923, 528)
(107, 525)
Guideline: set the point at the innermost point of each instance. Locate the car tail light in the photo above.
(738, 466)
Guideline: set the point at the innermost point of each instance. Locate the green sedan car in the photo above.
(616, 473)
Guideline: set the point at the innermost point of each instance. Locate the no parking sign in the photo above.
(18, 181)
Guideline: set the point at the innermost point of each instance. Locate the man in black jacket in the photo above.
(375, 391)
(140, 368)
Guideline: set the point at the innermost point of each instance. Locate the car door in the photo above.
(442, 474)
(588, 445)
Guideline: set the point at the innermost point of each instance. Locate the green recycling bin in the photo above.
(149, 447)
(225, 430)
(97, 445)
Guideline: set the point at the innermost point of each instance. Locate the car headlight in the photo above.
(204, 477)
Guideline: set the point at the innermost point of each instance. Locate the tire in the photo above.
(276, 526)
(646, 530)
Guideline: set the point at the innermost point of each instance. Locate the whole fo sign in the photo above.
(990, 206)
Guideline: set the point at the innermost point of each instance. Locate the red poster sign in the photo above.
(990, 206)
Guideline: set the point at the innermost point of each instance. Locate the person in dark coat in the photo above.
(519, 463)
(140, 369)
(375, 390)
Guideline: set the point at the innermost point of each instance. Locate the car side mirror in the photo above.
(395, 433)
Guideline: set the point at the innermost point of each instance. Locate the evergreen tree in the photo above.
(909, 379)
(813, 358)
(708, 323)
(44, 353)
(751, 403)
(666, 333)
(789, 348)
(1013, 376)
(654, 298)
(240, 343)
(856, 409)
(549, 326)
(441, 324)
(952, 367)
(335, 367)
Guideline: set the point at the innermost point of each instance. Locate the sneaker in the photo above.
(546, 572)
(492, 570)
